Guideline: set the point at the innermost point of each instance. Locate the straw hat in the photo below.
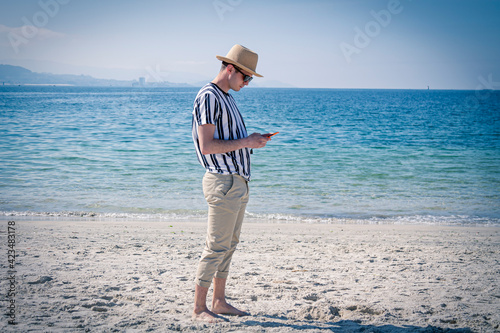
(242, 57)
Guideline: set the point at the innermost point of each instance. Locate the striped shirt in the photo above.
(214, 106)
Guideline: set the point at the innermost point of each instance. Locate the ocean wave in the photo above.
(453, 220)
(197, 215)
(81, 215)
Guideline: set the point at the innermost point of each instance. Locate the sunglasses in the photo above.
(246, 78)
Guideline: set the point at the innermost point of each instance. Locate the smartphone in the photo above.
(270, 135)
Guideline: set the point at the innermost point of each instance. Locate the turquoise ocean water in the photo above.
(403, 156)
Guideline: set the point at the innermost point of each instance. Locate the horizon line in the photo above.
(189, 86)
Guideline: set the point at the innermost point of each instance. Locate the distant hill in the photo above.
(7, 71)
(16, 75)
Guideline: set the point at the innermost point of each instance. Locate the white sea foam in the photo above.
(185, 215)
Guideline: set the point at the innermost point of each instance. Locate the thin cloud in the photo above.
(19, 37)
(30, 32)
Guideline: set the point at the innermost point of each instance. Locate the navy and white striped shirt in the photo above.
(214, 106)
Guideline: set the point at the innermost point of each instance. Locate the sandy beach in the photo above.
(137, 276)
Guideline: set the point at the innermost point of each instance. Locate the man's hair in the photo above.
(223, 66)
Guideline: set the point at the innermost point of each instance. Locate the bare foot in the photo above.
(208, 317)
(222, 307)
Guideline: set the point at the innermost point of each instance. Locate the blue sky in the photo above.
(446, 44)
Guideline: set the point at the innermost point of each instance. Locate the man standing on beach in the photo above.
(223, 148)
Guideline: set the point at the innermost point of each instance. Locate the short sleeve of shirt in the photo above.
(206, 109)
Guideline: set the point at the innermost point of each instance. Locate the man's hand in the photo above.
(256, 140)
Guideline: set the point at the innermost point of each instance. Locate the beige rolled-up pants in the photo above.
(227, 198)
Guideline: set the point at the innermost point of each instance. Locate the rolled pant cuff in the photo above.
(204, 284)
(222, 275)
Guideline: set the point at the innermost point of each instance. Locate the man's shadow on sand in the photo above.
(347, 326)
